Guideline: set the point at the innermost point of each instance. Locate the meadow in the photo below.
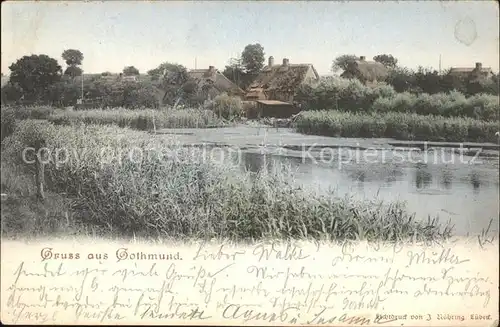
(170, 193)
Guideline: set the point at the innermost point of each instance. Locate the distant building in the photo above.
(275, 108)
(476, 73)
(131, 78)
(368, 72)
(212, 83)
(280, 82)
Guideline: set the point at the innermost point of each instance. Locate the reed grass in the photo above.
(401, 126)
(182, 196)
(140, 119)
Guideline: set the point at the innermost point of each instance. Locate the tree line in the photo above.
(40, 78)
(424, 80)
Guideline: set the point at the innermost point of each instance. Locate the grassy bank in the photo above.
(181, 195)
(401, 126)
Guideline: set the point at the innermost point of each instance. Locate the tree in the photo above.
(428, 80)
(235, 72)
(11, 93)
(73, 71)
(34, 74)
(172, 79)
(72, 57)
(252, 58)
(401, 79)
(173, 74)
(342, 62)
(387, 60)
(130, 71)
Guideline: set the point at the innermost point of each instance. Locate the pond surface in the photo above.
(436, 182)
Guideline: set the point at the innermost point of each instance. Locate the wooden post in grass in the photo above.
(39, 179)
(154, 123)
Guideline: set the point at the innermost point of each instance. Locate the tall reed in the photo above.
(172, 193)
(402, 126)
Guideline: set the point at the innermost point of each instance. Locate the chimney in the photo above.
(479, 65)
(271, 61)
(362, 58)
(286, 62)
(211, 71)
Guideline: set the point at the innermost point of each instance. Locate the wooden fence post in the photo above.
(39, 179)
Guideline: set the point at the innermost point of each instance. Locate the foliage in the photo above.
(387, 60)
(401, 79)
(122, 94)
(252, 58)
(169, 191)
(34, 74)
(402, 126)
(426, 80)
(11, 93)
(237, 74)
(72, 57)
(130, 71)
(342, 62)
(28, 112)
(73, 71)
(175, 76)
(341, 94)
(226, 106)
(352, 95)
(8, 123)
(63, 93)
(453, 104)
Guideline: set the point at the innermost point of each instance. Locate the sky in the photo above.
(114, 34)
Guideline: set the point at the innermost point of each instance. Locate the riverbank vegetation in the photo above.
(174, 194)
(401, 126)
(350, 95)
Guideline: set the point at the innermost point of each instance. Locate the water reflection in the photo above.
(476, 183)
(423, 178)
(397, 182)
(446, 179)
(256, 162)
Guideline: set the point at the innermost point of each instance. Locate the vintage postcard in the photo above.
(257, 163)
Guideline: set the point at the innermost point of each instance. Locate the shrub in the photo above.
(8, 121)
(226, 106)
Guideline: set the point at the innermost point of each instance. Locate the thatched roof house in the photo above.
(213, 82)
(368, 72)
(477, 72)
(280, 82)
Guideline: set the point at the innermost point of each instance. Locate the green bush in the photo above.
(351, 95)
(228, 107)
(8, 120)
